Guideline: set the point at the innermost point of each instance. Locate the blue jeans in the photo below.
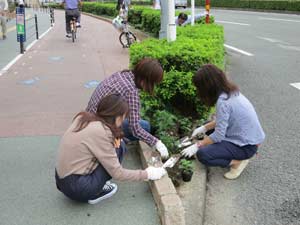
(87, 187)
(128, 133)
(222, 153)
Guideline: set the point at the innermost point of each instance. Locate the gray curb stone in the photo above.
(170, 207)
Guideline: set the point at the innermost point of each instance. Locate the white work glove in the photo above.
(190, 151)
(199, 130)
(155, 173)
(162, 149)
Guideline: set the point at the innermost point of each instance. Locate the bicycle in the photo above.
(73, 28)
(126, 37)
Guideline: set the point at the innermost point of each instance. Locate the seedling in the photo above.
(186, 165)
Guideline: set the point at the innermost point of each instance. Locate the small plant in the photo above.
(186, 165)
(187, 169)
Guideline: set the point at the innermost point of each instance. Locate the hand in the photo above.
(199, 130)
(155, 173)
(162, 149)
(190, 151)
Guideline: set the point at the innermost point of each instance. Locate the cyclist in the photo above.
(71, 11)
(123, 7)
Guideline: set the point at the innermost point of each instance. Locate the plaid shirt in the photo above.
(123, 83)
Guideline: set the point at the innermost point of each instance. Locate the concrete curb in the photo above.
(170, 207)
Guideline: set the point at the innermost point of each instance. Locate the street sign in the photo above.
(20, 24)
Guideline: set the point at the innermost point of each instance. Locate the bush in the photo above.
(175, 107)
(252, 4)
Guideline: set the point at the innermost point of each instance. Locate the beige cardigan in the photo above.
(80, 153)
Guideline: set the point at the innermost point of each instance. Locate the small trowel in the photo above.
(171, 161)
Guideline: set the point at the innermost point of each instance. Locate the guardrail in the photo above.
(28, 28)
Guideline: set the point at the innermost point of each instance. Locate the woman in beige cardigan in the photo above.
(91, 151)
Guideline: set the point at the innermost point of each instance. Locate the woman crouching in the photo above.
(91, 151)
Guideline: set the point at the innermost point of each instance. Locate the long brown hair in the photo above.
(210, 82)
(147, 73)
(108, 109)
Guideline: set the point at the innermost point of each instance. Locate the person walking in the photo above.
(237, 130)
(3, 19)
(90, 153)
(144, 76)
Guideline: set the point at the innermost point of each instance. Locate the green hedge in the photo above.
(175, 107)
(263, 5)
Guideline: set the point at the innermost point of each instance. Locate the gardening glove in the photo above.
(162, 149)
(155, 173)
(199, 130)
(190, 151)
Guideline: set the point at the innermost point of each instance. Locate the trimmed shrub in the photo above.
(175, 107)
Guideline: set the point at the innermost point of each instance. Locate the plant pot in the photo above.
(187, 175)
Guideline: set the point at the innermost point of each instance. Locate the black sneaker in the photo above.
(108, 190)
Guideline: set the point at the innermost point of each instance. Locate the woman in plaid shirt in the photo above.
(144, 76)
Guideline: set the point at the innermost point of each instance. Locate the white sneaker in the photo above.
(108, 190)
(235, 173)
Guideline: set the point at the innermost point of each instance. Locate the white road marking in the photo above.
(277, 19)
(290, 47)
(296, 85)
(272, 40)
(4, 69)
(223, 21)
(238, 50)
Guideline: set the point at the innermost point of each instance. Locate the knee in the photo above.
(202, 156)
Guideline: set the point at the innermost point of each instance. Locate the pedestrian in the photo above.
(91, 151)
(184, 19)
(237, 130)
(3, 19)
(144, 76)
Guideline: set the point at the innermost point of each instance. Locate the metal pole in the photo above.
(21, 47)
(163, 19)
(207, 7)
(171, 32)
(193, 12)
(36, 26)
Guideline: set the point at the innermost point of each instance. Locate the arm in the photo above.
(211, 125)
(134, 120)
(100, 143)
(222, 118)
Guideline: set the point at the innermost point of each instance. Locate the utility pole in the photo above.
(163, 19)
(171, 31)
(193, 12)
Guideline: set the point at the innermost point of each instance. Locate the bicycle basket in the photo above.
(117, 23)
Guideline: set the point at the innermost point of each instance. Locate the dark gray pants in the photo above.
(222, 153)
(87, 187)
(70, 14)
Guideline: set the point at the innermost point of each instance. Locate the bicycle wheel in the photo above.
(126, 39)
(73, 36)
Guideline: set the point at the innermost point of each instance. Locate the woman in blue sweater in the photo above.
(237, 130)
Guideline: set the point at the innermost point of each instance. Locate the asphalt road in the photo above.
(268, 192)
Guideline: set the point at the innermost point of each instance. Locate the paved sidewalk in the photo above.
(39, 95)
(10, 48)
